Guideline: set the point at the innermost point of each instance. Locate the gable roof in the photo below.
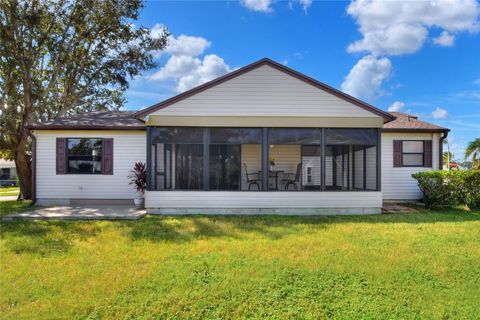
(95, 120)
(265, 61)
(408, 123)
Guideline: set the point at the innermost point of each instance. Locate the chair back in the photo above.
(246, 171)
(299, 172)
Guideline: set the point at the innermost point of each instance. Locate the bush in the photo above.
(471, 189)
(449, 188)
(437, 189)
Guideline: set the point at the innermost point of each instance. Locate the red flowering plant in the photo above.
(138, 177)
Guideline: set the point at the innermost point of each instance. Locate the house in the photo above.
(8, 173)
(261, 139)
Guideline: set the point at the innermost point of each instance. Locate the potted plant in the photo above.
(138, 178)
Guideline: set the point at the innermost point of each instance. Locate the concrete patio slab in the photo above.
(397, 208)
(80, 213)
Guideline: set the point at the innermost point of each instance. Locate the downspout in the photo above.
(34, 168)
(440, 148)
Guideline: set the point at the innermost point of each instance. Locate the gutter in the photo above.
(34, 168)
(440, 148)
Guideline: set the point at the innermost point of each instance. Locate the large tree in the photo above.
(59, 57)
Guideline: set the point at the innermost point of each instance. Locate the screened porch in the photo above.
(263, 159)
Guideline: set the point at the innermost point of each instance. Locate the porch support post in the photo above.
(379, 159)
(149, 158)
(364, 168)
(322, 161)
(265, 159)
(206, 158)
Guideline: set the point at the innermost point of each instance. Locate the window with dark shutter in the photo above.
(84, 155)
(412, 153)
(397, 153)
(427, 153)
(108, 156)
(61, 156)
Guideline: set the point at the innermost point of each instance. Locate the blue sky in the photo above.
(417, 57)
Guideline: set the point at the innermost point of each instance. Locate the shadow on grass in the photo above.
(49, 237)
(45, 237)
(194, 227)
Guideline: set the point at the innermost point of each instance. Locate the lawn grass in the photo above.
(397, 266)
(10, 191)
(13, 206)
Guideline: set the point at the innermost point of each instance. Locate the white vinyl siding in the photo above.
(252, 199)
(397, 183)
(264, 91)
(128, 147)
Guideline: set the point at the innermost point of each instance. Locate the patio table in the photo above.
(273, 174)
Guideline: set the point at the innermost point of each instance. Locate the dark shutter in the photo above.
(427, 153)
(61, 155)
(397, 153)
(108, 156)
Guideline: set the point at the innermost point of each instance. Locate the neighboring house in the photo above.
(8, 173)
(261, 139)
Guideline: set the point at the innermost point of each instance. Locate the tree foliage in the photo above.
(473, 150)
(60, 57)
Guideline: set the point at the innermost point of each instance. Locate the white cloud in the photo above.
(157, 30)
(395, 40)
(445, 39)
(185, 66)
(305, 4)
(476, 81)
(210, 68)
(391, 28)
(257, 5)
(396, 106)
(366, 77)
(176, 67)
(439, 113)
(401, 27)
(186, 45)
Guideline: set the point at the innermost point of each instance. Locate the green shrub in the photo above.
(436, 188)
(449, 188)
(471, 189)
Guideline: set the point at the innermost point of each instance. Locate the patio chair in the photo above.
(293, 178)
(252, 178)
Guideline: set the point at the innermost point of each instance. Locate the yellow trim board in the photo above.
(313, 122)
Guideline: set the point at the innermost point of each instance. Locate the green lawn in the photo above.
(10, 207)
(10, 191)
(399, 266)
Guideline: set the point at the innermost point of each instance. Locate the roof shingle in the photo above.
(99, 120)
(406, 122)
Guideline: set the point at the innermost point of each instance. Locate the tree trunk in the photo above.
(22, 163)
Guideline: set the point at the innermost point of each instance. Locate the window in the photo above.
(84, 156)
(412, 153)
(5, 174)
